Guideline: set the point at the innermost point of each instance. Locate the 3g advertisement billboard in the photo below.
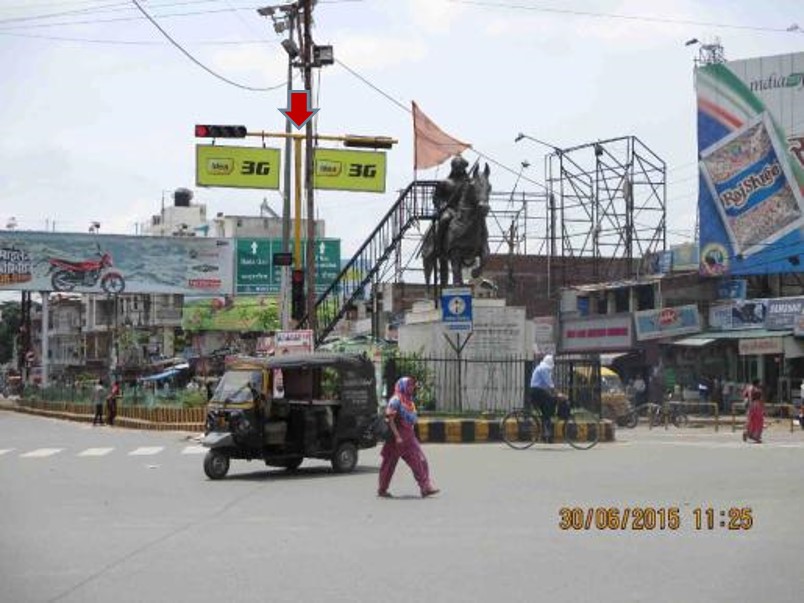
(751, 149)
(92, 263)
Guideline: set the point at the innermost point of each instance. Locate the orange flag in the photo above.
(433, 146)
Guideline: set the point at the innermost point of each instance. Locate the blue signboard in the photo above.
(456, 309)
(732, 289)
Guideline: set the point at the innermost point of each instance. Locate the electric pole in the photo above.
(309, 166)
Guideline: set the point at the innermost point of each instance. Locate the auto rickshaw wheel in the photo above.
(216, 464)
(294, 464)
(345, 457)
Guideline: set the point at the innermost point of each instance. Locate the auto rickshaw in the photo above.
(283, 409)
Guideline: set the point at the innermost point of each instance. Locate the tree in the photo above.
(11, 314)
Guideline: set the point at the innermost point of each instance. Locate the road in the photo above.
(103, 514)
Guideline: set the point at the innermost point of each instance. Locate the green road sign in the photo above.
(255, 272)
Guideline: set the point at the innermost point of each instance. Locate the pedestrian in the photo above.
(111, 403)
(542, 394)
(640, 390)
(401, 415)
(755, 420)
(97, 399)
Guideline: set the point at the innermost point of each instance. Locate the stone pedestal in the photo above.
(488, 372)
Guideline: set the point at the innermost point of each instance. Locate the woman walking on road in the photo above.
(401, 416)
(756, 414)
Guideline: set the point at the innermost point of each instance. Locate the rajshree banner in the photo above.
(751, 148)
(113, 264)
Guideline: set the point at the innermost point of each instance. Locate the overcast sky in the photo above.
(98, 107)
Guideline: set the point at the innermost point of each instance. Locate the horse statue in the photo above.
(458, 237)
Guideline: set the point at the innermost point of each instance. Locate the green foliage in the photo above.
(412, 365)
(9, 329)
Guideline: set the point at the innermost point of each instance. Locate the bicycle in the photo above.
(521, 428)
(674, 413)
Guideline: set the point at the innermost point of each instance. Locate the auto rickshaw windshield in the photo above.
(234, 386)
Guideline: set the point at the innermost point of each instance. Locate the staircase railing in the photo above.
(414, 203)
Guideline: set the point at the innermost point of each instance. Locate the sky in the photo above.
(98, 107)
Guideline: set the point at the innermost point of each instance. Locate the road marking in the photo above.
(5, 450)
(95, 452)
(146, 451)
(194, 450)
(41, 453)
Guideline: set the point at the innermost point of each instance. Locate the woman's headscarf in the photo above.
(404, 389)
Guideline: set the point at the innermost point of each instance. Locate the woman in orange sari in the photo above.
(756, 415)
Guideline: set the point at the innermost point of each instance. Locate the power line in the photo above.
(604, 15)
(199, 63)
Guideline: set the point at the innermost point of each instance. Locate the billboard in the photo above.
(598, 334)
(347, 170)
(227, 313)
(667, 322)
(236, 167)
(751, 148)
(112, 264)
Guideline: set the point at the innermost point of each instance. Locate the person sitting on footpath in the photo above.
(402, 416)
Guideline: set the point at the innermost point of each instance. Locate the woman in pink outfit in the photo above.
(756, 415)
(402, 416)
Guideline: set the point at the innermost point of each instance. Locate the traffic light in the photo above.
(220, 131)
(368, 142)
(297, 294)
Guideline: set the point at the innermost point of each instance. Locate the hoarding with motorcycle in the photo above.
(112, 264)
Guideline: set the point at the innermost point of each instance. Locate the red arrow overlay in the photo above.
(298, 110)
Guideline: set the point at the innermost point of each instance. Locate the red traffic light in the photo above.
(297, 276)
(204, 131)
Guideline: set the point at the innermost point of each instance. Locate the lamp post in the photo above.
(551, 206)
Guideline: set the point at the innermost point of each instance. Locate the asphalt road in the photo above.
(101, 514)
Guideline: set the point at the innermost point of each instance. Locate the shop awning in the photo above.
(695, 342)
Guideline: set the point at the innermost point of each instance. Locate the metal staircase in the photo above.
(414, 203)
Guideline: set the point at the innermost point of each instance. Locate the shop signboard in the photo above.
(667, 322)
(544, 334)
(735, 288)
(758, 346)
(798, 329)
(783, 313)
(598, 334)
(294, 342)
(114, 264)
(749, 314)
(751, 151)
(720, 316)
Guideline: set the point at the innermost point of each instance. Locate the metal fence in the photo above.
(490, 384)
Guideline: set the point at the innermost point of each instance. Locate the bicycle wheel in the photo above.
(520, 429)
(680, 419)
(582, 431)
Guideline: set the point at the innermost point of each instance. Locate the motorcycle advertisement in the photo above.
(114, 264)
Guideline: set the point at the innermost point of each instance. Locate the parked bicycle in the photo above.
(673, 412)
(521, 428)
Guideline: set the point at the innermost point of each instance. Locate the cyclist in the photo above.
(543, 394)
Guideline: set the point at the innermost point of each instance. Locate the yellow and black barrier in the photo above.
(428, 429)
(465, 431)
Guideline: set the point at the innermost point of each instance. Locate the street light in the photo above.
(520, 136)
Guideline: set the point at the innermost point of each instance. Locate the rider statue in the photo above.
(446, 197)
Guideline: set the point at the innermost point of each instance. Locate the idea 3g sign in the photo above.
(347, 170)
(237, 167)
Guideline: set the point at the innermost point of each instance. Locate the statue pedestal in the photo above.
(488, 372)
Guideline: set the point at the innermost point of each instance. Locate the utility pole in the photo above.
(309, 166)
